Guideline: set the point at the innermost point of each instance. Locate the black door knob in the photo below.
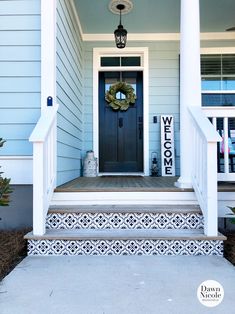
(120, 122)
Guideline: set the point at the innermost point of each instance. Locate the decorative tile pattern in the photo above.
(125, 247)
(124, 221)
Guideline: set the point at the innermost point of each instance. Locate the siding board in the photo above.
(16, 132)
(67, 12)
(20, 69)
(70, 139)
(20, 100)
(17, 148)
(67, 78)
(69, 94)
(64, 164)
(20, 22)
(20, 84)
(19, 7)
(68, 42)
(67, 101)
(68, 151)
(68, 64)
(19, 116)
(66, 125)
(23, 38)
(19, 74)
(20, 53)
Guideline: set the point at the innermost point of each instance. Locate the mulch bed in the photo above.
(229, 247)
(13, 248)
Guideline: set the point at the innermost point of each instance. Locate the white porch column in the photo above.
(190, 83)
(48, 51)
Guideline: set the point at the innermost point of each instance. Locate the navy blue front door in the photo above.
(121, 132)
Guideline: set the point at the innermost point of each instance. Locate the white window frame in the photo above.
(144, 67)
(217, 51)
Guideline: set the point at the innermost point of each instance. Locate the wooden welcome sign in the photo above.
(167, 146)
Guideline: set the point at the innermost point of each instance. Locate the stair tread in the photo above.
(126, 209)
(125, 234)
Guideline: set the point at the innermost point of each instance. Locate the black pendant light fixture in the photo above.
(231, 29)
(120, 33)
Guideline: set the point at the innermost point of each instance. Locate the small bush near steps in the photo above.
(5, 189)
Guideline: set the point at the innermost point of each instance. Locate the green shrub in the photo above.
(232, 220)
(5, 189)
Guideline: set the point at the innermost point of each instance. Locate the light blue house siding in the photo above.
(69, 93)
(19, 74)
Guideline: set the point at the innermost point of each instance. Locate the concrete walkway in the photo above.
(115, 285)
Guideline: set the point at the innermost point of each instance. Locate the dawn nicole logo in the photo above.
(210, 293)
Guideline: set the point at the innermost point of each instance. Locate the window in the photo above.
(120, 61)
(218, 80)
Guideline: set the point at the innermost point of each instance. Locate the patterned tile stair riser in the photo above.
(125, 247)
(124, 221)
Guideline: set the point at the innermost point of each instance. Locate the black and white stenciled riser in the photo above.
(122, 220)
(127, 230)
(125, 247)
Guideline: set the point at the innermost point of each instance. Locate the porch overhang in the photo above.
(160, 20)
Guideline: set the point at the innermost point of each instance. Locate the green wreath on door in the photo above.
(120, 104)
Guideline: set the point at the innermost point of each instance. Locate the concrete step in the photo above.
(125, 217)
(125, 242)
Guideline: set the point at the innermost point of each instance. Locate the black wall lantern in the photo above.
(120, 33)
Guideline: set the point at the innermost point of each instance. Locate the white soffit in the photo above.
(158, 36)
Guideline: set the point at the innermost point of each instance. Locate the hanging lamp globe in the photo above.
(120, 33)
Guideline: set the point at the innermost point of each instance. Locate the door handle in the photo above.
(120, 122)
(140, 128)
(140, 131)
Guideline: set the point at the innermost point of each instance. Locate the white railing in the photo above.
(204, 168)
(43, 138)
(226, 156)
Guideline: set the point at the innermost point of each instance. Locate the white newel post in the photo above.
(44, 135)
(190, 83)
(38, 190)
(211, 219)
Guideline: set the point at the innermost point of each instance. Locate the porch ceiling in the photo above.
(153, 16)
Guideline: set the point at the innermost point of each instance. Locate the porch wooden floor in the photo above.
(119, 183)
(130, 184)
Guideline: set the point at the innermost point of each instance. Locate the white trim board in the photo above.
(75, 12)
(135, 51)
(123, 198)
(138, 198)
(158, 37)
(218, 50)
(18, 168)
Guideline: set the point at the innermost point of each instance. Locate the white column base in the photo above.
(181, 184)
